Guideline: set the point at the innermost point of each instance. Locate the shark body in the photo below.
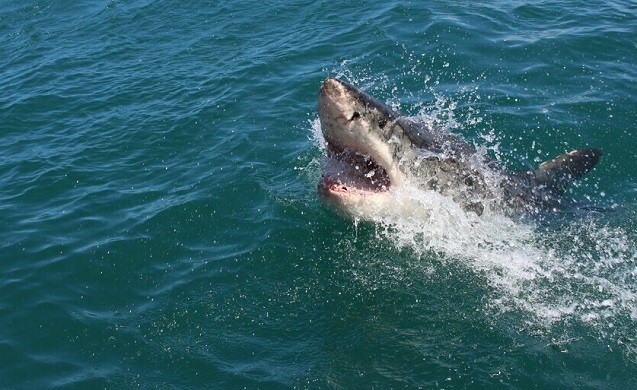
(373, 150)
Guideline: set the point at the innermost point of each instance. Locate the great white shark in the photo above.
(373, 149)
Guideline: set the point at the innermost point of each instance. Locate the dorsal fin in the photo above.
(558, 172)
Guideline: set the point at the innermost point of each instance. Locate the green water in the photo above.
(160, 226)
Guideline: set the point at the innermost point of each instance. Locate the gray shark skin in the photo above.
(373, 149)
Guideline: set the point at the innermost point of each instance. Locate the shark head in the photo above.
(365, 145)
(373, 149)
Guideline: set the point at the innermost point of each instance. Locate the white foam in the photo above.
(584, 273)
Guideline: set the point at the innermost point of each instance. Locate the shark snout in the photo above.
(337, 89)
(330, 87)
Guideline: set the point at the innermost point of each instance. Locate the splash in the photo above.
(554, 276)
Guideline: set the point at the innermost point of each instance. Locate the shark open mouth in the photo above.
(349, 172)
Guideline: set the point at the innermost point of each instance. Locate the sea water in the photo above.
(160, 225)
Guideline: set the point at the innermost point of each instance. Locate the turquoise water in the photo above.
(160, 226)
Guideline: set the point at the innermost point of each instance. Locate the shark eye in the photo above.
(355, 115)
(382, 123)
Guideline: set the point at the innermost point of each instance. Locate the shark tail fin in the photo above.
(556, 173)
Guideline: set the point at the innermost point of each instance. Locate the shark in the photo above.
(373, 150)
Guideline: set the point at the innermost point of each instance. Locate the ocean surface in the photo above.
(160, 226)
